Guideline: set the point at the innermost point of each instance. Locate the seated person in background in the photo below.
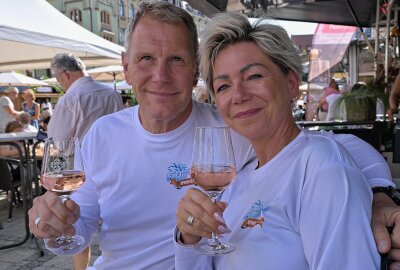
(299, 113)
(323, 104)
(305, 191)
(25, 119)
(46, 105)
(8, 150)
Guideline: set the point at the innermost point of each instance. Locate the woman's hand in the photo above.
(207, 217)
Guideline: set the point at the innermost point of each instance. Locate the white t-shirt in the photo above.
(332, 107)
(128, 171)
(5, 117)
(307, 208)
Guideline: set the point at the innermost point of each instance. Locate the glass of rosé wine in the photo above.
(62, 172)
(213, 169)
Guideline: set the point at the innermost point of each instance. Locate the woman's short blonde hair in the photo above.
(229, 28)
(30, 93)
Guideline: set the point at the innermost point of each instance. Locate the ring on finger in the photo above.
(37, 220)
(190, 220)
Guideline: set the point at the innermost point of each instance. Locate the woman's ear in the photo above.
(293, 84)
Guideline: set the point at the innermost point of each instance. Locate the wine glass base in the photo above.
(206, 249)
(61, 245)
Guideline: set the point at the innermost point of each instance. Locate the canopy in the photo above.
(323, 11)
(107, 73)
(16, 79)
(31, 37)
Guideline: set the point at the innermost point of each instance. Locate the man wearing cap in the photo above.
(7, 111)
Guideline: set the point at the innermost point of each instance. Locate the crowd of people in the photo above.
(310, 190)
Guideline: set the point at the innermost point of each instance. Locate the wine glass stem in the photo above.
(214, 242)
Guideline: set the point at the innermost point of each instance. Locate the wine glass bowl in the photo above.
(213, 169)
(62, 172)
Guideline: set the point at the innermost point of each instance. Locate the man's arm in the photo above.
(11, 111)
(394, 97)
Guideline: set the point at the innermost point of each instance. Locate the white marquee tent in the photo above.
(32, 32)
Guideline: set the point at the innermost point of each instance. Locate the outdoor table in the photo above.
(26, 185)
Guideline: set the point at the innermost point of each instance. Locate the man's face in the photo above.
(161, 66)
(63, 78)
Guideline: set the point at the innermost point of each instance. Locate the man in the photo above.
(84, 102)
(7, 111)
(130, 166)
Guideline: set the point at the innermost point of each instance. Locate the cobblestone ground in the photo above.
(27, 256)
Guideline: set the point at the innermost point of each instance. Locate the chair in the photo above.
(10, 180)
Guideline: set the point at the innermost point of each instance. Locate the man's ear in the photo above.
(125, 61)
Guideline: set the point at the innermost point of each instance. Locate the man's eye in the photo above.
(146, 58)
(177, 59)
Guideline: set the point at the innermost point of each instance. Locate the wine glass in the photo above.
(213, 168)
(62, 172)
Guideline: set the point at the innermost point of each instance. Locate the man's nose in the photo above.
(162, 72)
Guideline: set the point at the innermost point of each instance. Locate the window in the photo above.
(76, 15)
(105, 17)
(131, 11)
(121, 35)
(121, 8)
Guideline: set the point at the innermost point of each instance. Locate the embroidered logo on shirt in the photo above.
(177, 175)
(254, 216)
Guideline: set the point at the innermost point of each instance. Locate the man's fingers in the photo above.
(381, 235)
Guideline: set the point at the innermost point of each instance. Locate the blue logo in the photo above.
(254, 216)
(177, 172)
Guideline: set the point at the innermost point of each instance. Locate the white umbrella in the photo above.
(30, 39)
(16, 79)
(123, 85)
(107, 73)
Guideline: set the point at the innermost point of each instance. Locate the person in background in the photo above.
(84, 102)
(31, 107)
(25, 120)
(7, 150)
(394, 98)
(46, 105)
(332, 88)
(132, 156)
(275, 206)
(7, 111)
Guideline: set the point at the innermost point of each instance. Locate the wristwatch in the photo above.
(390, 191)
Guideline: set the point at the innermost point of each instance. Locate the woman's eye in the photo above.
(222, 88)
(254, 76)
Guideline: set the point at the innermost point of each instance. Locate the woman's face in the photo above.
(251, 92)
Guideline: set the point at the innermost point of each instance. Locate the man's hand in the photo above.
(385, 213)
(49, 217)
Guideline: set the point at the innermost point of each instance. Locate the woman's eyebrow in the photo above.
(247, 67)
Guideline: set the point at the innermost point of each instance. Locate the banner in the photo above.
(330, 43)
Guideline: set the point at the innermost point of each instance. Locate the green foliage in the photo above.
(359, 104)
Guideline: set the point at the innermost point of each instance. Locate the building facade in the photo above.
(110, 18)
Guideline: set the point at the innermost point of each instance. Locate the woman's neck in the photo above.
(267, 148)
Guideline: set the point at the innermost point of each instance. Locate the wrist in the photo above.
(386, 194)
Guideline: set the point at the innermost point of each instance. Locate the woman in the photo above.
(312, 204)
(31, 107)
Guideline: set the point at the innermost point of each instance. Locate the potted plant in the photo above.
(360, 103)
